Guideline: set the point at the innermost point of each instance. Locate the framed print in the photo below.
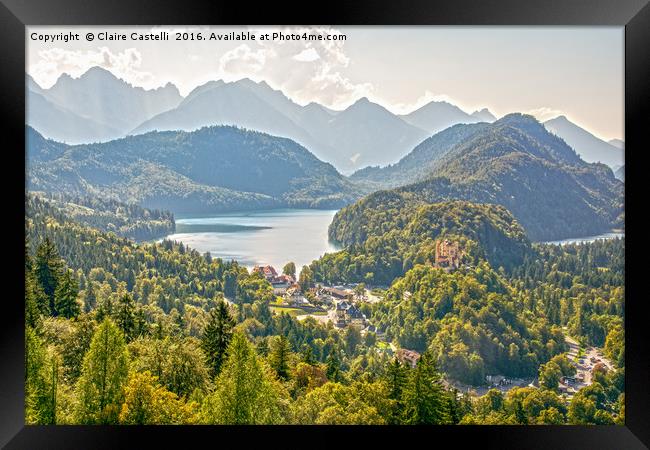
(407, 219)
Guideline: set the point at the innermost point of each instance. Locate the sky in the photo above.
(545, 71)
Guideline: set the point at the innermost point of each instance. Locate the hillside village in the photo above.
(342, 306)
(338, 304)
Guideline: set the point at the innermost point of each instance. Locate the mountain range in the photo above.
(213, 169)
(364, 133)
(95, 107)
(514, 162)
(98, 106)
(436, 116)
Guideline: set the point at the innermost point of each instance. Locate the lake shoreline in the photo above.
(263, 237)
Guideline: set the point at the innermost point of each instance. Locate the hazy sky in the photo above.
(545, 71)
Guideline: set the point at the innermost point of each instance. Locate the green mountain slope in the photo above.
(515, 162)
(385, 240)
(126, 220)
(419, 163)
(211, 169)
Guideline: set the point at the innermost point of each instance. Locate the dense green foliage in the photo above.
(386, 241)
(211, 169)
(516, 163)
(581, 286)
(126, 220)
(125, 333)
(471, 320)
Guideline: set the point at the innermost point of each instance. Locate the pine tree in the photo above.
(32, 294)
(423, 395)
(40, 385)
(32, 311)
(100, 389)
(216, 337)
(90, 299)
(230, 284)
(48, 267)
(65, 297)
(307, 355)
(279, 356)
(333, 363)
(105, 309)
(246, 391)
(125, 316)
(262, 346)
(396, 377)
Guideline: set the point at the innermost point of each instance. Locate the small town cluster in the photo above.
(340, 304)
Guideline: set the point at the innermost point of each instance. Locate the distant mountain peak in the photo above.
(591, 148)
(484, 115)
(519, 118)
(97, 73)
(560, 118)
(362, 101)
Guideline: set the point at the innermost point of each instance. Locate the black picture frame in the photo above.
(634, 15)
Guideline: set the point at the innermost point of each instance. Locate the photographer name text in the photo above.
(184, 36)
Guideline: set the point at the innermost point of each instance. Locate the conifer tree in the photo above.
(40, 392)
(307, 355)
(125, 316)
(48, 267)
(33, 296)
(65, 297)
(90, 299)
(423, 395)
(333, 363)
(246, 391)
(262, 346)
(216, 337)
(100, 389)
(396, 375)
(279, 356)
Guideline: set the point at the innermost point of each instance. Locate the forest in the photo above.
(119, 332)
(514, 162)
(217, 168)
(385, 240)
(124, 219)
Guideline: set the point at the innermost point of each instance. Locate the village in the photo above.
(342, 305)
(337, 304)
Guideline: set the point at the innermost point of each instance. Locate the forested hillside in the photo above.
(126, 220)
(384, 242)
(516, 163)
(124, 333)
(419, 163)
(151, 322)
(471, 320)
(212, 169)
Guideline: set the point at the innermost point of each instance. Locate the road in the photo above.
(584, 365)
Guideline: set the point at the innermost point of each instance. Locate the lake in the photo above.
(610, 235)
(252, 238)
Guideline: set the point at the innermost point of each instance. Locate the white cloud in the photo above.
(55, 61)
(306, 70)
(244, 61)
(307, 55)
